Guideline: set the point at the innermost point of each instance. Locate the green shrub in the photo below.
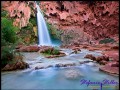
(8, 40)
(8, 31)
(51, 52)
(33, 21)
(4, 13)
(7, 54)
(47, 52)
(107, 40)
(55, 52)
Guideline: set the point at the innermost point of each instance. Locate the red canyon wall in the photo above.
(20, 11)
(80, 21)
(90, 21)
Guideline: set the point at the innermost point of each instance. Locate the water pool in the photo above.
(55, 78)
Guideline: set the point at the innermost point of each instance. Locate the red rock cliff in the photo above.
(20, 11)
(84, 20)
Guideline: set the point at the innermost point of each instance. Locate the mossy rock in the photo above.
(107, 40)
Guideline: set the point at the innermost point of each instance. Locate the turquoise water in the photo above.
(56, 42)
(55, 78)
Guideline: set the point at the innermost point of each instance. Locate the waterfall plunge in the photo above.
(43, 34)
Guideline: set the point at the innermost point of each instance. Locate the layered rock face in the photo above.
(83, 21)
(80, 21)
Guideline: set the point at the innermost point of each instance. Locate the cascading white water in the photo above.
(43, 34)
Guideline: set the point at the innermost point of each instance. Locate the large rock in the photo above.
(34, 48)
(103, 62)
(115, 47)
(65, 65)
(19, 65)
(73, 74)
(53, 56)
(90, 56)
(109, 69)
(100, 58)
(113, 64)
(114, 54)
(45, 48)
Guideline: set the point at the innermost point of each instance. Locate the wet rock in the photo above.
(73, 74)
(16, 66)
(58, 65)
(42, 67)
(39, 67)
(114, 54)
(85, 46)
(90, 56)
(65, 65)
(109, 69)
(76, 50)
(113, 64)
(28, 49)
(49, 66)
(85, 62)
(45, 48)
(100, 58)
(103, 62)
(54, 56)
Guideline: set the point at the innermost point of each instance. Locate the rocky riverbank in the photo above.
(108, 59)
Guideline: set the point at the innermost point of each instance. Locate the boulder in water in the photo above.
(73, 74)
(100, 58)
(15, 66)
(65, 65)
(90, 56)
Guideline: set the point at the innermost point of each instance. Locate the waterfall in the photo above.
(43, 34)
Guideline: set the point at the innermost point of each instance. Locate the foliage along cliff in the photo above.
(22, 13)
(77, 21)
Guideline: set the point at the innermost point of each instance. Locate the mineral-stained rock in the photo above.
(90, 56)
